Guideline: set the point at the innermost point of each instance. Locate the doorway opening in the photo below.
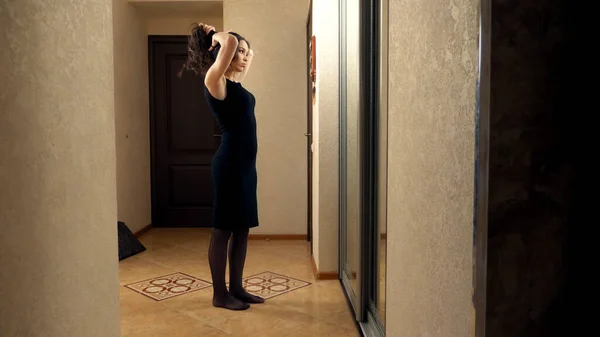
(184, 136)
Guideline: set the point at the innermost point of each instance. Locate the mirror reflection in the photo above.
(381, 236)
(352, 153)
(382, 165)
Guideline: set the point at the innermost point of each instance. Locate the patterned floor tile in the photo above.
(268, 285)
(168, 286)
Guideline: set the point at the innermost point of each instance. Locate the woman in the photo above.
(224, 59)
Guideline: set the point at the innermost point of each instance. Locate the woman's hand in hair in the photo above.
(207, 28)
(221, 38)
(218, 38)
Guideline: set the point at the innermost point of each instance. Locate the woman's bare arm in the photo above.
(215, 77)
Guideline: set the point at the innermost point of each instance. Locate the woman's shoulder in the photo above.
(209, 95)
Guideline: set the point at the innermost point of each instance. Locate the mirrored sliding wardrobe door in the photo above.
(350, 153)
(378, 299)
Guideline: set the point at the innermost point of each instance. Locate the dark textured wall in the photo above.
(531, 170)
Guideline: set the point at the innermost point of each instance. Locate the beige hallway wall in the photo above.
(172, 25)
(432, 76)
(132, 120)
(276, 30)
(58, 245)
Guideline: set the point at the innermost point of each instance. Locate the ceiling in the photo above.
(179, 8)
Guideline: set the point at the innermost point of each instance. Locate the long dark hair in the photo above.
(199, 57)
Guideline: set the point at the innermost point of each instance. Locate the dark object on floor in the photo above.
(129, 245)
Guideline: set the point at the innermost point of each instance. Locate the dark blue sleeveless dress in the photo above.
(234, 175)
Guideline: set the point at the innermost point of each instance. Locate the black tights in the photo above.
(236, 298)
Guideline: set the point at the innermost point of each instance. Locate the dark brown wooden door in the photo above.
(184, 138)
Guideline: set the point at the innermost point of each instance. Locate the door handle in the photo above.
(307, 134)
(216, 135)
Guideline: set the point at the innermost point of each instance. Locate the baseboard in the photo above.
(278, 237)
(273, 237)
(322, 275)
(143, 231)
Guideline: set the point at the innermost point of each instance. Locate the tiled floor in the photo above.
(165, 293)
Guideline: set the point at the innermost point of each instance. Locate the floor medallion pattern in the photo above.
(268, 285)
(168, 286)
